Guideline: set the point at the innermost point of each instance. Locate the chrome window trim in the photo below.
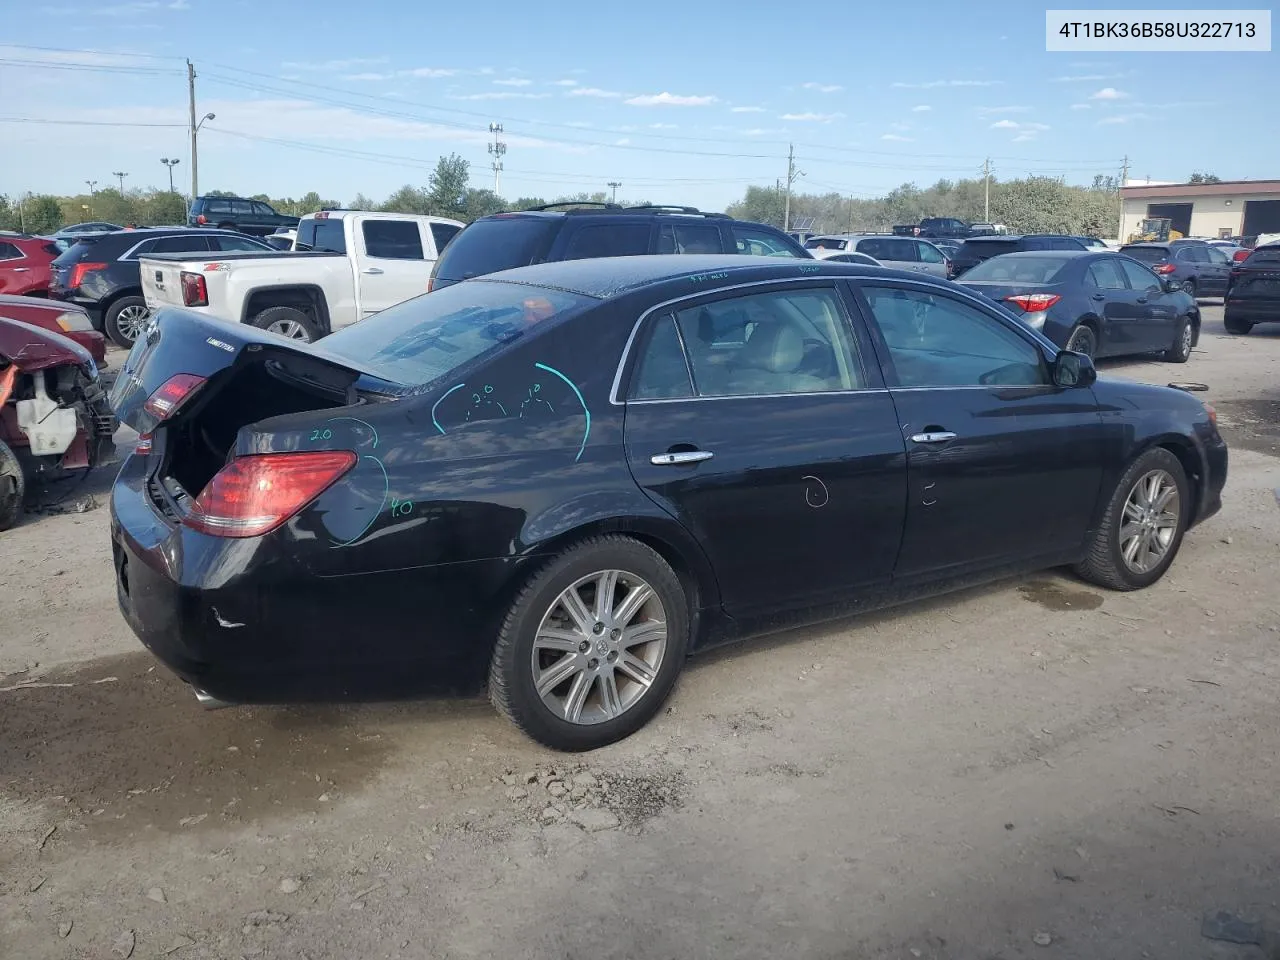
(768, 396)
(981, 303)
(22, 254)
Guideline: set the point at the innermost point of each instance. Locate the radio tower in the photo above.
(497, 150)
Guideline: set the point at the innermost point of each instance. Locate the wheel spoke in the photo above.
(1130, 530)
(558, 673)
(1166, 495)
(1130, 548)
(571, 600)
(578, 693)
(1167, 520)
(632, 666)
(643, 633)
(553, 638)
(610, 702)
(1131, 509)
(636, 598)
(606, 587)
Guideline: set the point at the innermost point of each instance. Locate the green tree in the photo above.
(761, 205)
(482, 203)
(361, 202)
(42, 214)
(1199, 177)
(408, 199)
(447, 186)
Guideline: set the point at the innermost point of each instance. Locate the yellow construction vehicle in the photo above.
(1155, 230)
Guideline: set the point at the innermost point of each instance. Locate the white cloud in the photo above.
(334, 65)
(746, 109)
(564, 83)
(514, 82)
(368, 76)
(988, 111)
(1023, 137)
(1122, 118)
(179, 5)
(921, 108)
(823, 87)
(1004, 125)
(812, 117)
(1025, 127)
(934, 84)
(429, 73)
(897, 137)
(664, 126)
(624, 142)
(502, 95)
(593, 92)
(1088, 77)
(1109, 93)
(665, 99)
(1081, 106)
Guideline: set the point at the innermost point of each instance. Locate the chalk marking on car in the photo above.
(578, 393)
(809, 492)
(386, 489)
(372, 429)
(224, 622)
(440, 401)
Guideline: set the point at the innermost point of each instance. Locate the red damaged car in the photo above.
(69, 319)
(54, 414)
(25, 263)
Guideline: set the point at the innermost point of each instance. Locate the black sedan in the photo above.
(561, 480)
(1100, 304)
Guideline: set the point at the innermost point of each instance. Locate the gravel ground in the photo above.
(1035, 768)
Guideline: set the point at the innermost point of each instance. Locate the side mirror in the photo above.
(1171, 285)
(1071, 369)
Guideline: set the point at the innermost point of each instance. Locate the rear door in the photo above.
(391, 262)
(13, 268)
(1218, 269)
(930, 259)
(1003, 467)
(759, 421)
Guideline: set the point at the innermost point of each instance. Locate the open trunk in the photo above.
(213, 378)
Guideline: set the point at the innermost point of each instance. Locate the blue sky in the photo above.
(680, 102)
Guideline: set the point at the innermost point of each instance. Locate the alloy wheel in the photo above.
(291, 329)
(1152, 512)
(599, 647)
(1184, 341)
(131, 321)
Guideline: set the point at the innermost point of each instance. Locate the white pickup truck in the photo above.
(345, 265)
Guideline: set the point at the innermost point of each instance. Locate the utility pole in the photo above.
(851, 213)
(615, 185)
(92, 184)
(170, 164)
(792, 175)
(986, 191)
(1124, 176)
(120, 174)
(497, 150)
(191, 101)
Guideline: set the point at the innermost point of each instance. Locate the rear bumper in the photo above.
(1253, 310)
(241, 621)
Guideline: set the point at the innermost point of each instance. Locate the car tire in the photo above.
(1127, 517)
(288, 322)
(1190, 287)
(589, 703)
(1235, 325)
(125, 319)
(1083, 340)
(13, 487)
(1183, 339)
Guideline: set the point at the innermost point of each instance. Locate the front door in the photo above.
(931, 259)
(1156, 329)
(1218, 269)
(391, 266)
(1002, 466)
(760, 422)
(1110, 297)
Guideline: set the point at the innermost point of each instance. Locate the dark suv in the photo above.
(546, 234)
(977, 249)
(100, 271)
(944, 228)
(1203, 270)
(237, 213)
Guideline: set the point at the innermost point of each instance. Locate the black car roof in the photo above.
(1032, 254)
(606, 277)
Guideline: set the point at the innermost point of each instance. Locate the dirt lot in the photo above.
(1036, 768)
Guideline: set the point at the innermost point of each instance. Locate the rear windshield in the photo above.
(421, 340)
(1146, 254)
(826, 243)
(981, 249)
(488, 246)
(322, 235)
(79, 250)
(1017, 269)
(1265, 255)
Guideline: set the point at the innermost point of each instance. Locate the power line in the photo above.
(86, 123)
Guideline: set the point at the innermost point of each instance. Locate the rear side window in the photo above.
(688, 238)
(180, 244)
(826, 243)
(981, 249)
(608, 240)
(9, 252)
(392, 239)
(80, 250)
(217, 206)
(52, 249)
(262, 210)
(323, 235)
(1065, 243)
(237, 245)
(421, 340)
(442, 233)
(663, 373)
(242, 208)
(488, 246)
(1146, 254)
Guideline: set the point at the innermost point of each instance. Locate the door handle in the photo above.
(372, 270)
(1098, 296)
(938, 436)
(21, 269)
(678, 457)
(1142, 299)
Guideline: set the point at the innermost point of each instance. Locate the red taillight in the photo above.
(202, 219)
(1034, 302)
(144, 443)
(253, 495)
(1164, 268)
(80, 269)
(194, 291)
(172, 394)
(1240, 255)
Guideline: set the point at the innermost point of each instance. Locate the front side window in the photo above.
(903, 251)
(780, 342)
(242, 208)
(1217, 256)
(825, 243)
(928, 253)
(937, 341)
(1139, 277)
(392, 239)
(608, 240)
(761, 243)
(260, 209)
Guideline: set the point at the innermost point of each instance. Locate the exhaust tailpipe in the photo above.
(208, 701)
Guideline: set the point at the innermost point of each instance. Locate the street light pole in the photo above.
(121, 175)
(92, 185)
(170, 164)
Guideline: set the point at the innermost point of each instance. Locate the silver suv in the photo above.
(901, 253)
